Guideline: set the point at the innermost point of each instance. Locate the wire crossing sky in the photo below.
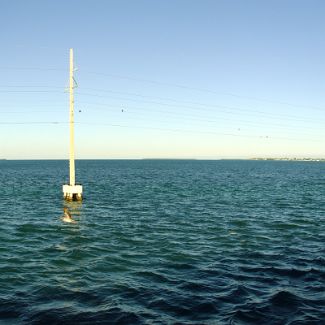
(163, 79)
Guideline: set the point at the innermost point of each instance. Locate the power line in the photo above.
(202, 90)
(196, 118)
(186, 115)
(143, 96)
(126, 109)
(183, 115)
(192, 103)
(33, 68)
(205, 123)
(29, 86)
(182, 106)
(160, 129)
(186, 118)
(49, 110)
(250, 111)
(194, 132)
(143, 80)
(239, 126)
(165, 104)
(26, 123)
(30, 91)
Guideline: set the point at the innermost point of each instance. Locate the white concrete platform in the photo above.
(72, 192)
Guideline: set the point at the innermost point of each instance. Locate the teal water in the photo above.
(163, 242)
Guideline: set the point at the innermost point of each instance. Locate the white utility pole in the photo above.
(71, 86)
(71, 191)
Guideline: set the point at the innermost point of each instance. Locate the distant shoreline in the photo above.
(175, 159)
(289, 159)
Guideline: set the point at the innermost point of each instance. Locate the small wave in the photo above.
(289, 272)
(285, 299)
(71, 316)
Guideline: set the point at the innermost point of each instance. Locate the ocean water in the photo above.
(163, 242)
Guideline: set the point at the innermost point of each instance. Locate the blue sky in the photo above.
(163, 79)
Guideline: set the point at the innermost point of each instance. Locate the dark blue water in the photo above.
(163, 242)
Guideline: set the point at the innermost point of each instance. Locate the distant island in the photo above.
(290, 159)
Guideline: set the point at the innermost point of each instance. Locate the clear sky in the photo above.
(163, 79)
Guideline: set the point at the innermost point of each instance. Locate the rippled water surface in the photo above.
(163, 242)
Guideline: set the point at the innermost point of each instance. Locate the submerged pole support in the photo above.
(71, 191)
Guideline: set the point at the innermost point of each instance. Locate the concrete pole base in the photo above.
(72, 192)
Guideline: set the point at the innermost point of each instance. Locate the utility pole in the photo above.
(71, 87)
(71, 191)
